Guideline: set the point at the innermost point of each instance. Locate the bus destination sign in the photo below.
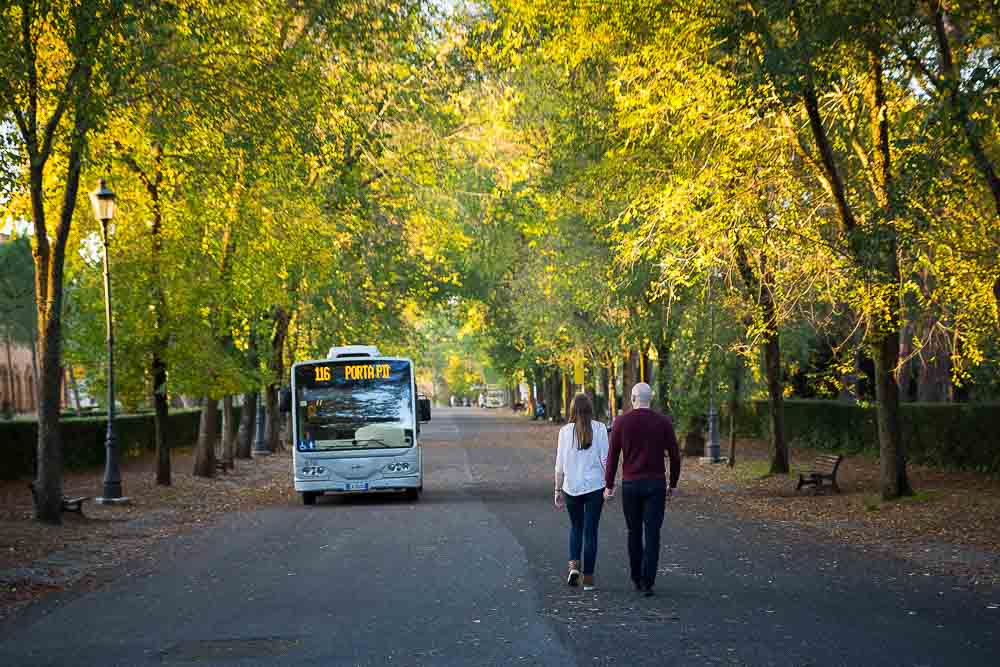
(354, 372)
(367, 372)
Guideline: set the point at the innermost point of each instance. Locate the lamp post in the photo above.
(103, 202)
(259, 445)
(712, 450)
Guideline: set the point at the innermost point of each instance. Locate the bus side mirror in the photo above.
(285, 400)
(424, 408)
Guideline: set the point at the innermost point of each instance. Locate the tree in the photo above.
(65, 67)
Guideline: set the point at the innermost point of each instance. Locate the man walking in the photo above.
(643, 438)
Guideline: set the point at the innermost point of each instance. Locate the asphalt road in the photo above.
(472, 574)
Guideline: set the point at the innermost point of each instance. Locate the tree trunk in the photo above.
(248, 416)
(905, 374)
(612, 390)
(551, 393)
(663, 374)
(892, 463)
(605, 381)
(34, 370)
(161, 410)
(276, 365)
(48, 480)
(10, 373)
(628, 380)
(228, 433)
(996, 297)
(532, 392)
(734, 406)
(568, 393)
(934, 376)
(49, 270)
(776, 403)
(646, 368)
(158, 365)
(892, 459)
(272, 420)
(73, 385)
(208, 427)
(759, 283)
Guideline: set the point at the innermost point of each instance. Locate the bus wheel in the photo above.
(308, 498)
(413, 494)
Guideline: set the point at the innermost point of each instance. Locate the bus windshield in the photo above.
(356, 404)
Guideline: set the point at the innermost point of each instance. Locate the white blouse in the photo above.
(583, 468)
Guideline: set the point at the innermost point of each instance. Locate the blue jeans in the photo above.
(584, 516)
(643, 502)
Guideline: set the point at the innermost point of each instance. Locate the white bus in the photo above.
(356, 423)
(496, 397)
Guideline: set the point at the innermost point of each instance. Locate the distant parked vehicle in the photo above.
(496, 398)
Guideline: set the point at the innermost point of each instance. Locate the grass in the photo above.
(874, 503)
(756, 469)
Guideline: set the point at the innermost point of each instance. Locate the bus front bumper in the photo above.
(364, 486)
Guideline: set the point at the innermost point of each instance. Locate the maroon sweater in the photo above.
(643, 438)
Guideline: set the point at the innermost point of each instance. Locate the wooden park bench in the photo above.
(68, 504)
(823, 468)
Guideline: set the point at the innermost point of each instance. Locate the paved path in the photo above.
(472, 575)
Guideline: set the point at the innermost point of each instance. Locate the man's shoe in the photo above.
(588, 582)
(647, 590)
(638, 586)
(574, 573)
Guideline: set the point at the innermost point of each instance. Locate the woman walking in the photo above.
(580, 461)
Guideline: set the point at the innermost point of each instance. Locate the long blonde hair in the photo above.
(581, 412)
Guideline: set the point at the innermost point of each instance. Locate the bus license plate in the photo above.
(357, 486)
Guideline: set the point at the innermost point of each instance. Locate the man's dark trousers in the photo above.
(643, 501)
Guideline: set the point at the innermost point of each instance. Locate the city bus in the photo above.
(356, 424)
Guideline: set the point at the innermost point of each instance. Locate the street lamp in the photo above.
(103, 201)
(712, 450)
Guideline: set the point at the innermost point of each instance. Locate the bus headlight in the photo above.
(399, 467)
(314, 471)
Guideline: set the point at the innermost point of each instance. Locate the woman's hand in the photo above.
(559, 498)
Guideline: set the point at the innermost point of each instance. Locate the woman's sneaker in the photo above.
(588, 582)
(574, 573)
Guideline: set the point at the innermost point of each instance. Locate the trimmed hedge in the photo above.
(948, 435)
(83, 439)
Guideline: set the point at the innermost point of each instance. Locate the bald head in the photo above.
(642, 395)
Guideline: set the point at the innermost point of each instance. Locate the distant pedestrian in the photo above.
(643, 438)
(580, 461)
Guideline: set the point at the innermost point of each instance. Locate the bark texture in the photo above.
(248, 416)
(208, 427)
(276, 366)
(160, 414)
(628, 379)
(664, 374)
(892, 462)
(228, 433)
(735, 388)
(775, 404)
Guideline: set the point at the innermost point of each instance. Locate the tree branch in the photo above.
(827, 157)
